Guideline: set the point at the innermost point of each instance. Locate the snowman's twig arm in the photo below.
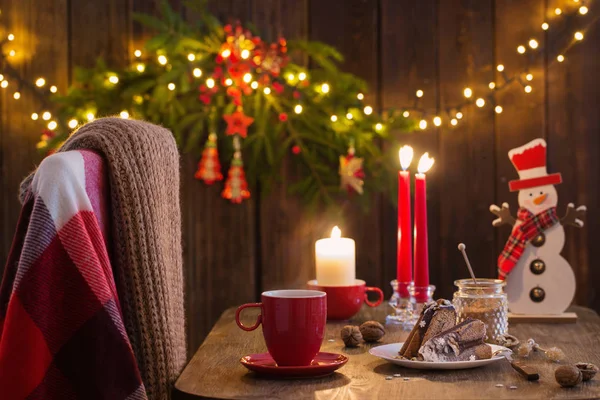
(503, 214)
(574, 216)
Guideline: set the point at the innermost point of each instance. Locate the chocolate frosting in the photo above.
(428, 311)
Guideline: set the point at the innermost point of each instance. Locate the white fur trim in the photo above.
(520, 150)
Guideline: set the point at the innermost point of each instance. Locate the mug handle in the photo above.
(379, 293)
(258, 320)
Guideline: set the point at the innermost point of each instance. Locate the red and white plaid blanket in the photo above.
(522, 234)
(61, 328)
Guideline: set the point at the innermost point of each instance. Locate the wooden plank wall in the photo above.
(232, 253)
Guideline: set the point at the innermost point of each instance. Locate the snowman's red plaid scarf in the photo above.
(532, 226)
(61, 329)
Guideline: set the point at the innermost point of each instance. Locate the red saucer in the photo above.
(323, 364)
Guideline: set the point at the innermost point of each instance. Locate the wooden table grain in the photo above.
(215, 371)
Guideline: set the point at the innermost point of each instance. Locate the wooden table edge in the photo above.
(182, 394)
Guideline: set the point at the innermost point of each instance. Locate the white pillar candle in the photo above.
(335, 260)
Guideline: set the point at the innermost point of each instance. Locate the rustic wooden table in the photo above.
(215, 371)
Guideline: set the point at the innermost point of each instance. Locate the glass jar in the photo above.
(484, 300)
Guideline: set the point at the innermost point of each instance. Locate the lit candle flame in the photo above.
(406, 155)
(425, 163)
(336, 233)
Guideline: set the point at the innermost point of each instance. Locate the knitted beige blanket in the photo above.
(143, 167)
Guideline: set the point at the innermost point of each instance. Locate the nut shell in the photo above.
(588, 371)
(568, 375)
(351, 336)
(372, 331)
(509, 341)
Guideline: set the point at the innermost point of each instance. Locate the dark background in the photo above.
(233, 252)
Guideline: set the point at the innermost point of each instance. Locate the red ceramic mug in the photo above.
(343, 302)
(293, 324)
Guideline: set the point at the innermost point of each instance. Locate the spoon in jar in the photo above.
(462, 249)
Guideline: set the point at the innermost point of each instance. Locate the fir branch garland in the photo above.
(191, 78)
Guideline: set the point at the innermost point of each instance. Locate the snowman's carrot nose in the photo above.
(540, 199)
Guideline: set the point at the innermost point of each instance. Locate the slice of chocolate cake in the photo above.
(463, 342)
(436, 317)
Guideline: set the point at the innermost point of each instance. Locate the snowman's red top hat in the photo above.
(530, 162)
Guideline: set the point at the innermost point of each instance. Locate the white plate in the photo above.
(389, 352)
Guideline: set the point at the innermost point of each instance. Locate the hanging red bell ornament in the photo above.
(351, 172)
(209, 167)
(236, 186)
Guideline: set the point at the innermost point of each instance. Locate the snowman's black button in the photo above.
(537, 294)
(539, 240)
(537, 267)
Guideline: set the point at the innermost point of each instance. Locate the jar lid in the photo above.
(482, 283)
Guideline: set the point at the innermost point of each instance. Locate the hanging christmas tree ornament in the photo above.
(226, 75)
(236, 187)
(538, 279)
(238, 123)
(351, 172)
(209, 167)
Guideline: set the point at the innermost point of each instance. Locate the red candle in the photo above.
(404, 253)
(421, 250)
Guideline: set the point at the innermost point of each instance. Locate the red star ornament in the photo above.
(238, 123)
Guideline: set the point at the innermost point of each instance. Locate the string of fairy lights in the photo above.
(40, 89)
(523, 77)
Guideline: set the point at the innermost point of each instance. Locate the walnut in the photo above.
(588, 370)
(568, 375)
(509, 341)
(351, 336)
(372, 331)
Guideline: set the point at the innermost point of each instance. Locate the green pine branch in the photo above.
(167, 93)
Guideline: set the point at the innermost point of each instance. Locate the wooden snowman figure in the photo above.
(538, 279)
